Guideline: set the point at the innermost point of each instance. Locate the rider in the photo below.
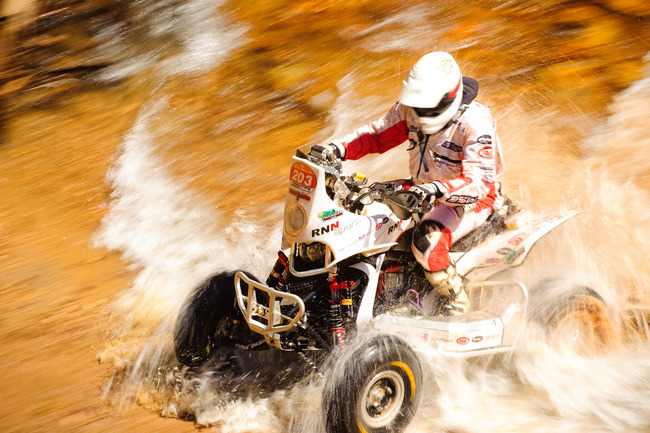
(455, 158)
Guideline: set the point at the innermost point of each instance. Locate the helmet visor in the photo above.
(435, 111)
(444, 103)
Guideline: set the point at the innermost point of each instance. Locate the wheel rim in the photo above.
(584, 325)
(382, 398)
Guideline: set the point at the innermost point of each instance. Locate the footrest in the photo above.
(490, 328)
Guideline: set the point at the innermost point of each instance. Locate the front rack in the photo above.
(267, 319)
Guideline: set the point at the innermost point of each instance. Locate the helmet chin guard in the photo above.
(434, 89)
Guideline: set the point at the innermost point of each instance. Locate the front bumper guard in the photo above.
(267, 318)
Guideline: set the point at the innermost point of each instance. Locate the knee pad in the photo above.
(430, 245)
(425, 234)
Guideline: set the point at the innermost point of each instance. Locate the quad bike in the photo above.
(349, 271)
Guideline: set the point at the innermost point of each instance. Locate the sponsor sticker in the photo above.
(392, 228)
(486, 152)
(326, 229)
(329, 214)
(303, 176)
(462, 341)
(452, 146)
(299, 194)
(336, 228)
(382, 222)
(446, 66)
(462, 199)
(514, 255)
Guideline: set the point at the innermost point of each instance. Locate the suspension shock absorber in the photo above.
(345, 291)
(278, 276)
(336, 315)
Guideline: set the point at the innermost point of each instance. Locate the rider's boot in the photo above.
(457, 304)
(450, 287)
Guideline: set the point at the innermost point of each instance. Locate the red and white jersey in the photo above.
(464, 158)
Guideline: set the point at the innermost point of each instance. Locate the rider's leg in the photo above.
(432, 238)
(431, 242)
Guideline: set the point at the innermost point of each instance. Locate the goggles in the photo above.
(444, 103)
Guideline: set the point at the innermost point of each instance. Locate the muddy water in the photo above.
(122, 190)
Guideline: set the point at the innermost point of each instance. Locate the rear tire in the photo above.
(373, 389)
(210, 319)
(583, 323)
(574, 316)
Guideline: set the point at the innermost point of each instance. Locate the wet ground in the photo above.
(222, 94)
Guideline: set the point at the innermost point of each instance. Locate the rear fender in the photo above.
(510, 248)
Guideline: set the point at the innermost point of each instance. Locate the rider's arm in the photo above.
(376, 137)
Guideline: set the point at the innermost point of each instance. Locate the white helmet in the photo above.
(434, 90)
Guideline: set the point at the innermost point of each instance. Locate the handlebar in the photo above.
(403, 202)
(322, 156)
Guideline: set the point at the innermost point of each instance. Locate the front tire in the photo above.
(210, 319)
(374, 389)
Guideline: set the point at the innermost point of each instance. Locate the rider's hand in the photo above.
(325, 151)
(428, 192)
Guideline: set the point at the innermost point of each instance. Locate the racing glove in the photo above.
(428, 192)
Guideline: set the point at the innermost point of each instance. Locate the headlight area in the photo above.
(312, 252)
(295, 218)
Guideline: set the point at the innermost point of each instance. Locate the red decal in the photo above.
(454, 185)
(299, 194)
(454, 92)
(462, 341)
(303, 175)
(486, 152)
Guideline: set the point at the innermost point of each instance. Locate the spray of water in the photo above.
(178, 37)
(172, 240)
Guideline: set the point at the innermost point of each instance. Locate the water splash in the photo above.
(162, 229)
(177, 37)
